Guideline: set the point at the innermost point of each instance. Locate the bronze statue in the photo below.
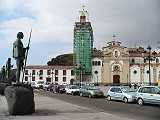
(19, 53)
(8, 70)
(3, 72)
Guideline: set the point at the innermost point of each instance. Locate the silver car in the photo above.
(148, 94)
(121, 93)
(91, 91)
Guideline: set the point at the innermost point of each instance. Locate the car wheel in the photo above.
(140, 101)
(90, 96)
(72, 93)
(81, 94)
(108, 97)
(125, 100)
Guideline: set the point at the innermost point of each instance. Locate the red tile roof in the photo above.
(48, 67)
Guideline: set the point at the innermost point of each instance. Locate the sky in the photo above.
(135, 23)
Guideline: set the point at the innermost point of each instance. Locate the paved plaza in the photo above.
(53, 109)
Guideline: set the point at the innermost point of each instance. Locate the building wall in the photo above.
(135, 74)
(52, 77)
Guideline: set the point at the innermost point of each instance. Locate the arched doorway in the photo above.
(116, 79)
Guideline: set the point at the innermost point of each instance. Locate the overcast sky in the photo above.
(136, 23)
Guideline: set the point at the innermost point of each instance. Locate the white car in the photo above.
(45, 86)
(72, 89)
(39, 84)
(148, 94)
(121, 93)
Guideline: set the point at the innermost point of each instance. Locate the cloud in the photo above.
(44, 17)
(7, 4)
(52, 21)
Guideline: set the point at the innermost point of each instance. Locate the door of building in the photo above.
(116, 79)
(71, 81)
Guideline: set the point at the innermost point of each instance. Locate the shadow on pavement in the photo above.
(45, 112)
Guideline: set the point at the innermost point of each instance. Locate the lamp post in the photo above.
(80, 67)
(150, 57)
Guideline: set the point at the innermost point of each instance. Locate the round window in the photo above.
(116, 68)
(135, 71)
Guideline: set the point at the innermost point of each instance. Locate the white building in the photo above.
(97, 64)
(52, 74)
(96, 70)
(116, 64)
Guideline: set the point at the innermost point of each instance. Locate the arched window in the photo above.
(96, 63)
(133, 61)
(99, 63)
(157, 60)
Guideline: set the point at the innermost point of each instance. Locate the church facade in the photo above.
(122, 65)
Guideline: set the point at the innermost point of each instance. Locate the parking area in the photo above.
(49, 108)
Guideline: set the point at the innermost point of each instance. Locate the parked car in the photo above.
(53, 87)
(46, 85)
(148, 94)
(61, 89)
(72, 89)
(39, 84)
(91, 91)
(122, 93)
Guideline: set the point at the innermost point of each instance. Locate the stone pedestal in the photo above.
(20, 99)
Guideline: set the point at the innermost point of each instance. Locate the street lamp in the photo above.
(81, 67)
(150, 58)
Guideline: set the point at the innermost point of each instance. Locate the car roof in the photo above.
(149, 86)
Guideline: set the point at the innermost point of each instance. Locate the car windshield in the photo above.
(74, 87)
(62, 86)
(47, 83)
(92, 88)
(40, 82)
(127, 89)
(32, 83)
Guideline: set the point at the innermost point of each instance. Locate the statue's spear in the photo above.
(26, 55)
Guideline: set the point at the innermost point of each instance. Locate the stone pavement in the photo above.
(54, 109)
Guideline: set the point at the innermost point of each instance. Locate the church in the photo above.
(122, 65)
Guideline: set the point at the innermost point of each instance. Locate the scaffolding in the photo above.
(83, 46)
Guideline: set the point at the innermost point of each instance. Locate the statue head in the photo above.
(20, 35)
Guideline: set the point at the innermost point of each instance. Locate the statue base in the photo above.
(2, 87)
(20, 99)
